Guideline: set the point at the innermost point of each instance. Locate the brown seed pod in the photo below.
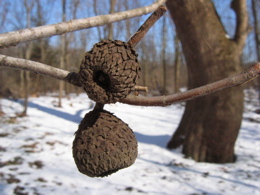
(109, 71)
(103, 144)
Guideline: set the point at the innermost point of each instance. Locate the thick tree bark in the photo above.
(210, 125)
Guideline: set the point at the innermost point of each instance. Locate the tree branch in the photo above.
(16, 37)
(39, 68)
(240, 8)
(238, 79)
(134, 40)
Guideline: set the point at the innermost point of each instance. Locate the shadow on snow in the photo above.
(159, 140)
(76, 118)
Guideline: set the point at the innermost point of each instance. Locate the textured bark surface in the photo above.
(210, 124)
(103, 144)
(109, 71)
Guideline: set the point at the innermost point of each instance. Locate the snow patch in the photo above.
(36, 155)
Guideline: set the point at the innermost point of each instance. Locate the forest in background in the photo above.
(160, 55)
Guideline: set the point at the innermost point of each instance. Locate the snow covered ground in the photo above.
(36, 155)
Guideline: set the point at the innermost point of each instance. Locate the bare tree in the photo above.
(63, 53)
(177, 64)
(110, 26)
(164, 65)
(40, 47)
(4, 9)
(76, 42)
(26, 75)
(99, 29)
(210, 125)
(127, 22)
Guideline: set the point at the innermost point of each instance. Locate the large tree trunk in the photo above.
(210, 125)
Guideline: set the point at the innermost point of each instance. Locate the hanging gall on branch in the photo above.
(109, 71)
(103, 144)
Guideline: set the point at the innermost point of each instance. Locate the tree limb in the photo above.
(240, 8)
(238, 79)
(134, 40)
(40, 68)
(16, 37)
(72, 77)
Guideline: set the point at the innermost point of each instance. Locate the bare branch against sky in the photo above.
(16, 37)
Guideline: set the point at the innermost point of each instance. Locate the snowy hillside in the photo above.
(36, 155)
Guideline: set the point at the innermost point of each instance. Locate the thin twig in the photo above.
(140, 88)
(238, 79)
(16, 37)
(134, 40)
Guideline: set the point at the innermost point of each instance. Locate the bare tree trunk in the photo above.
(210, 125)
(110, 26)
(42, 43)
(127, 22)
(28, 52)
(164, 65)
(144, 65)
(96, 13)
(71, 62)
(177, 64)
(27, 80)
(4, 11)
(62, 55)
